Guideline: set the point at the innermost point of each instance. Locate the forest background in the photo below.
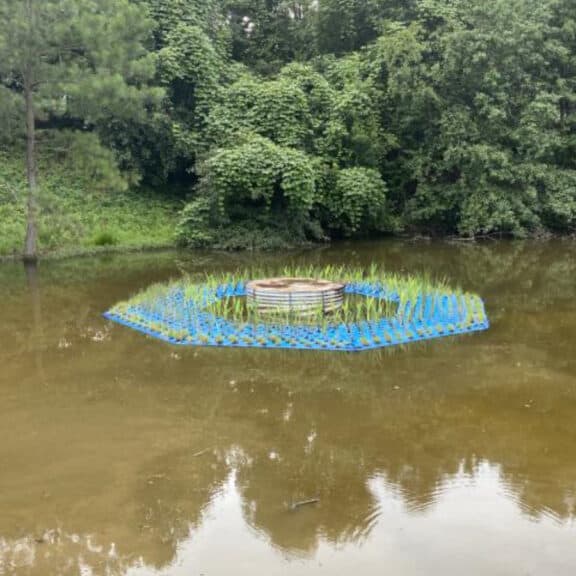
(269, 123)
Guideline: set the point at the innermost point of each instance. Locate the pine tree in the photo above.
(72, 63)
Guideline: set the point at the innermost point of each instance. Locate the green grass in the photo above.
(355, 309)
(76, 218)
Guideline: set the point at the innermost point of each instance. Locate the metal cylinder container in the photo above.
(298, 295)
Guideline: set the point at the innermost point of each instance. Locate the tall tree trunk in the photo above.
(31, 243)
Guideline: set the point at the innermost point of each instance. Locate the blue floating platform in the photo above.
(172, 316)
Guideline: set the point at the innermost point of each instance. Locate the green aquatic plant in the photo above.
(205, 306)
(407, 288)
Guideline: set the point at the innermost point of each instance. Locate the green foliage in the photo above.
(346, 25)
(195, 224)
(260, 173)
(191, 67)
(266, 34)
(328, 115)
(305, 136)
(357, 202)
(276, 109)
(191, 40)
(84, 59)
(284, 122)
(76, 216)
(471, 94)
(11, 112)
(254, 181)
(84, 153)
(169, 14)
(72, 65)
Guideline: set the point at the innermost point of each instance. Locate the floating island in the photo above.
(330, 308)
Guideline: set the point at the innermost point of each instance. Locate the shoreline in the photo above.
(90, 251)
(70, 253)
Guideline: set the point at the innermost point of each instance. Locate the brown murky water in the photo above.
(120, 455)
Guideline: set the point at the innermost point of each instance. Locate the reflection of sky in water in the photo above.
(473, 525)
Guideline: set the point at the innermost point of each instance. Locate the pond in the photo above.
(123, 455)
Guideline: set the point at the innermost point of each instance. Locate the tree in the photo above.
(477, 96)
(437, 116)
(72, 64)
(257, 186)
(496, 164)
(346, 25)
(192, 41)
(266, 34)
(301, 149)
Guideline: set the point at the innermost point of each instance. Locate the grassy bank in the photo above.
(76, 218)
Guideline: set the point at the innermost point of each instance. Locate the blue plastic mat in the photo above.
(174, 318)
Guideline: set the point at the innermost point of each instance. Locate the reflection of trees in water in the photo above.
(272, 487)
(57, 553)
(418, 438)
(172, 495)
(545, 269)
(303, 438)
(320, 425)
(520, 280)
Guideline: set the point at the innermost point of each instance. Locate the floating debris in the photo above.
(310, 502)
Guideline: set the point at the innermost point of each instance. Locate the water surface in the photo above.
(122, 455)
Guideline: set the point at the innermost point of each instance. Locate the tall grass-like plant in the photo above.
(397, 309)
